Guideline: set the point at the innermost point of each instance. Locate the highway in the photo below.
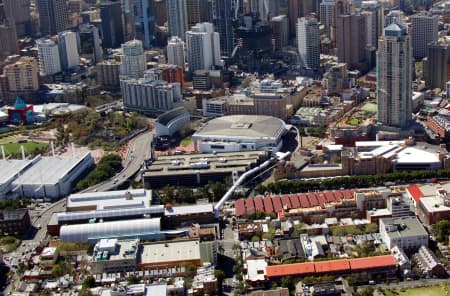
(140, 150)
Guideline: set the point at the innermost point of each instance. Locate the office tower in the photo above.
(68, 50)
(48, 55)
(175, 52)
(327, 15)
(203, 47)
(394, 16)
(133, 59)
(161, 16)
(341, 7)
(112, 26)
(8, 37)
(129, 29)
(90, 45)
(108, 74)
(265, 9)
(308, 40)
(394, 76)
(295, 10)
(351, 39)
(336, 79)
(373, 11)
(435, 65)
(197, 12)
(280, 30)
(177, 17)
(53, 16)
(222, 15)
(425, 29)
(144, 16)
(19, 12)
(22, 77)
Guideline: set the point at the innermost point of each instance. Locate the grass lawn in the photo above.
(370, 107)
(9, 243)
(353, 121)
(29, 147)
(186, 141)
(441, 290)
(8, 139)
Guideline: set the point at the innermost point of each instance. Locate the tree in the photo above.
(220, 275)
(441, 230)
(89, 282)
(132, 280)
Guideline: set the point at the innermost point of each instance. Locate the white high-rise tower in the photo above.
(308, 40)
(203, 47)
(133, 59)
(175, 52)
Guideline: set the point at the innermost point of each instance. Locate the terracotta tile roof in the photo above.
(290, 269)
(415, 192)
(372, 262)
(332, 266)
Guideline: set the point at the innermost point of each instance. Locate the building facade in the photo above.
(280, 30)
(48, 54)
(108, 74)
(68, 50)
(144, 16)
(394, 76)
(308, 42)
(425, 29)
(203, 47)
(133, 60)
(177, 17)
(351, 39)
(175, 52)
(53, 16)
(435, 65)
(112, 25)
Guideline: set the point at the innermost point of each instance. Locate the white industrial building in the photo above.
(10, 171)
(110, 200)
(139, 228)
(240, 133)
(172, 121)
(51, 177)
(406, 233)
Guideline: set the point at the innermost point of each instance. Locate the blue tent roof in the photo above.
(19, 104)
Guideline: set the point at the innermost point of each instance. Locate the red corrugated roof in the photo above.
(372, 262)
(239, 206)
(268, 206)
(285, 201)
(304, 201)
(329, 196)
(259, 205)
(347, 193)
(250, 205)
(338, 195)
(415, 192)
(313, 199)
(321, 197)
(332, 266)
(290, 269)
(277, 206)
(295, 203)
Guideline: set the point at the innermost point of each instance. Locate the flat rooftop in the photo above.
(223, 162)
(245, 126)
(124, 249)
(434, 204)
(110, 200)
(189, 210)
(170, 251)
(407, 226)
(11, 168)
(414, 155)
(49, 170)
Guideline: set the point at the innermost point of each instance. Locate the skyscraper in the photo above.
(19, 12)
(52, 16)
(351, 39)
(203, 47)
(327, 15)
(68, 50)
(197, 12)
(394, 76)
(48, 55)
(8, 37)
(90, 45)
(424, 30)
(435, 65)
(308, 40)
(177, 17)
(112, 28)
(144, 16)
(133, 60)
(373, 11)
(280, 30)
(175, 52)
(223, 12)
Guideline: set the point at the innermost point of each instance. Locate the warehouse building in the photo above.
(141, 228)
(11, 169)
(240, 133)
(51, 177)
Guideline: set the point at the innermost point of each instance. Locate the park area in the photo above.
(11, 145)
(9, 243)
(441, 290)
